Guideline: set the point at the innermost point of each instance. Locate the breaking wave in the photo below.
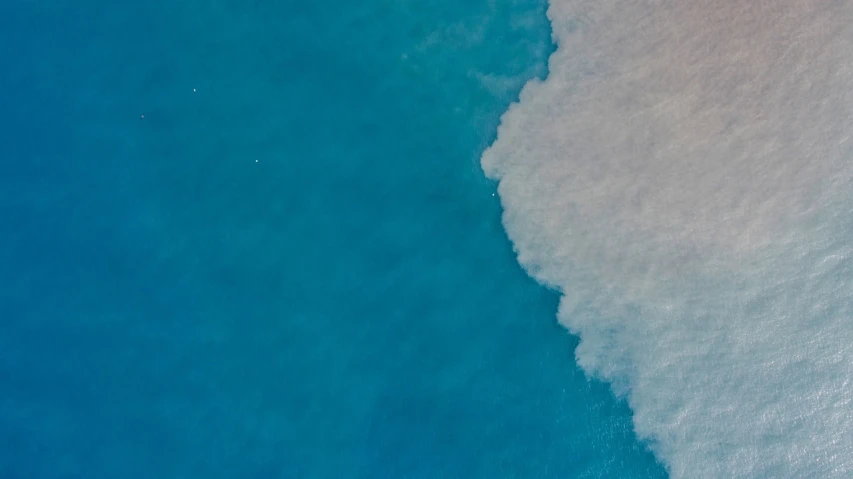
(683, 177)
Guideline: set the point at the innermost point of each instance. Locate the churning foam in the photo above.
(685, 178)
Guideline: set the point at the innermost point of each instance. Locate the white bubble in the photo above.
(683, 176)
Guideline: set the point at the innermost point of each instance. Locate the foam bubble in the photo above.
(683, 177)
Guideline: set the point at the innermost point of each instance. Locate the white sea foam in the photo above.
(685, 178)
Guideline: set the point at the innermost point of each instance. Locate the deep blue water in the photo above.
(297, 270)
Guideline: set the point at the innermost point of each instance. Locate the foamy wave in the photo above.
(684, 178)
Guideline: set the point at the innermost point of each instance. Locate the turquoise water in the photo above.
(253, 240)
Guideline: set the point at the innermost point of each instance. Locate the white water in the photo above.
(684, 178)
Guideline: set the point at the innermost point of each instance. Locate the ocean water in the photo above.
(253, 239)
(683, 178)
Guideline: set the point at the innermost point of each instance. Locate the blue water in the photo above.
(296, 270)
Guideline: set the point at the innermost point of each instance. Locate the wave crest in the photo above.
(683, 177)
